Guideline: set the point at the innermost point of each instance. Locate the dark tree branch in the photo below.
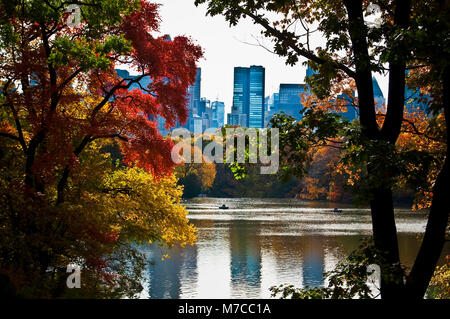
(363, 75)
(292, 43)
(69, 79)
(435, 232)
(10, 136)
(397, 67)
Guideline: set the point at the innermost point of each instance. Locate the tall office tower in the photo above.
(256, 95)
(290, 99)
(415, 100)
(194, 94)
(241, 88)
(204, 106)
(274, 102)
(266, 104)
(195, 124)
(205, 113)
(233, 118)
(218, 113)
(248, 96)
(272, 108)
(266, 110)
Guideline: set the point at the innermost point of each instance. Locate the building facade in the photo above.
(248, 97)
(241, 88)
(194, 93)
(256, 97)
(218, 114)
(290, 99)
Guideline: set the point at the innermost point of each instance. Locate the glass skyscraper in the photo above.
(195, 93)
(218, 113)
(248, 96)
(290, 100)
(144, 82)
(241, 88)
(256, 97)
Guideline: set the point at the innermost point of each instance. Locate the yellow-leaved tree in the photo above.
(109, 210)
(190, 174)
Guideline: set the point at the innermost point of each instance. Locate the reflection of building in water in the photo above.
(213, 263)
(245, 258)
(313, 260)
(189, 271)
(165, 275)
(300, 261)
(302, 257)
(332, 256)
(313, 268)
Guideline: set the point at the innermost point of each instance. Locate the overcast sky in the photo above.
(224, 50)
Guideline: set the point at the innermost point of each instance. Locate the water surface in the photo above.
(258, 243)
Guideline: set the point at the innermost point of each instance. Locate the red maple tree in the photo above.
(61, 91)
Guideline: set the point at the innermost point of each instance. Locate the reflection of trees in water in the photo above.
(312, 255)
(248, 256)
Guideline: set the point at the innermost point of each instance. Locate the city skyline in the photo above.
(226, 47)
(253, 107)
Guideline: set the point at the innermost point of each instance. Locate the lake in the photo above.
(258, 243)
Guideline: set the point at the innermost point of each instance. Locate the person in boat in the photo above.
(336, 210)
(223, 207)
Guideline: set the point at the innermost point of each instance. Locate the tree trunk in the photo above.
(385, 240)
(381, 203)
(434, 239)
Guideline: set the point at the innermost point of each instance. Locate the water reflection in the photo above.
(245, 265)
(258, 243)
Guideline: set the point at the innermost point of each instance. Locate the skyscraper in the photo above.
(256, 97)
(241, 88)
(290, 99)
(350, 114)
(218, 113)
(272, 108)
(248, 97)
(193, 103)
(194, 94)
(415, 100)
(206, 113)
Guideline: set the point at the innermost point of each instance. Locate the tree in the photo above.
(47, 67)
(440, 283)
(109, 208)
(61, 101)
(192, 185)
(204, 171)
(406, 35)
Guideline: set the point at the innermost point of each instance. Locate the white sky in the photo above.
(224, 49)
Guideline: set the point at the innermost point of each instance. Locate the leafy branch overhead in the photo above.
(62, 106)
(391, 145)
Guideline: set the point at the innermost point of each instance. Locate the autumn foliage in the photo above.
(62, 103)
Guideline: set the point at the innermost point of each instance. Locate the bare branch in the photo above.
(292, 43)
